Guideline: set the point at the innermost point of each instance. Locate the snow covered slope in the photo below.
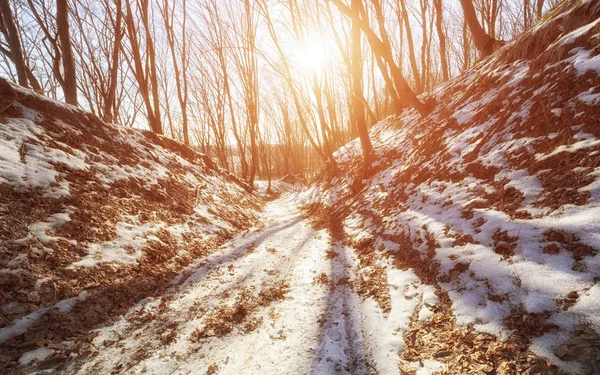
(95, 217)
(494, 199)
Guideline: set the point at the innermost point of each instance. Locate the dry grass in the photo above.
(533, 44)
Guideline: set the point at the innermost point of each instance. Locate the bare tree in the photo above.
(411, 48)
(383, 51)
(358, 110)
(228, 77)
(287, 76)
(144, 69)
(7, 25)
(64, 36)
(109, 103)
(441, 37)
(484, 43)
(246, 61)
(538, 9)
(181, 63)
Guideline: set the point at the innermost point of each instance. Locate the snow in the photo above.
(589, 97)
(573, 35)
(55, 221)
(544, 346)
(22, 325)
(431, 209)
(321, 327)
(24, 162)
(587, 307)
(36, 355)
(490, 261)
(298, 257)
(62, 172)
(583, 61)
(586, 142)
(126, 248)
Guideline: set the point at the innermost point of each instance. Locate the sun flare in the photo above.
(314, 56)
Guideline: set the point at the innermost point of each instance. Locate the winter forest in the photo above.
(299, 187)
(265, 88)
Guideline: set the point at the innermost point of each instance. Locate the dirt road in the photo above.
(275, 301)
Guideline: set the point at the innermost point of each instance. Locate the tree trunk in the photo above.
(411, 48)
(539, 8)
(14, 42)
(466, 50)
(484, 43)
(152, 70)
(425, 71)
(358, 111)
(69, 74)
(381, 64)
(442, 38)
(109, 104)
(384, 52)
(141, 75)
(180, 73)
(526, 15)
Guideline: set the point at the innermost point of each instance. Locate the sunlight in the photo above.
(314, 55)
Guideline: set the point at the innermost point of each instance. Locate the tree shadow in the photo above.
(105, 304)
(217, 260)
(480, 271)
(341, 345)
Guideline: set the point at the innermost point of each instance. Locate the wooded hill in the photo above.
(95, 217)
(493, 200)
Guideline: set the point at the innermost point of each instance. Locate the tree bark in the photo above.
(484, 43)
(358, 111)
(442, 38)
(109, 116)
(466, 50)
(69, 74)
(539, 8)
(526, 15)
(152, 70)
(425, 69)
(14, 42)
(411, 48)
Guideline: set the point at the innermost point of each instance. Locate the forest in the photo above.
(265, 88)
(283, 187)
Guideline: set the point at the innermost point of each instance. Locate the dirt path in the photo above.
(275, 301)
(286, 298)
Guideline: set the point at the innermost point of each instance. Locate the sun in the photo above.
(314, 55)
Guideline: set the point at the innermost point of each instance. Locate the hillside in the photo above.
(493, 200)
(95, 217)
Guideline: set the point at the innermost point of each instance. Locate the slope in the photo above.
(95, 217)
(493, 199)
